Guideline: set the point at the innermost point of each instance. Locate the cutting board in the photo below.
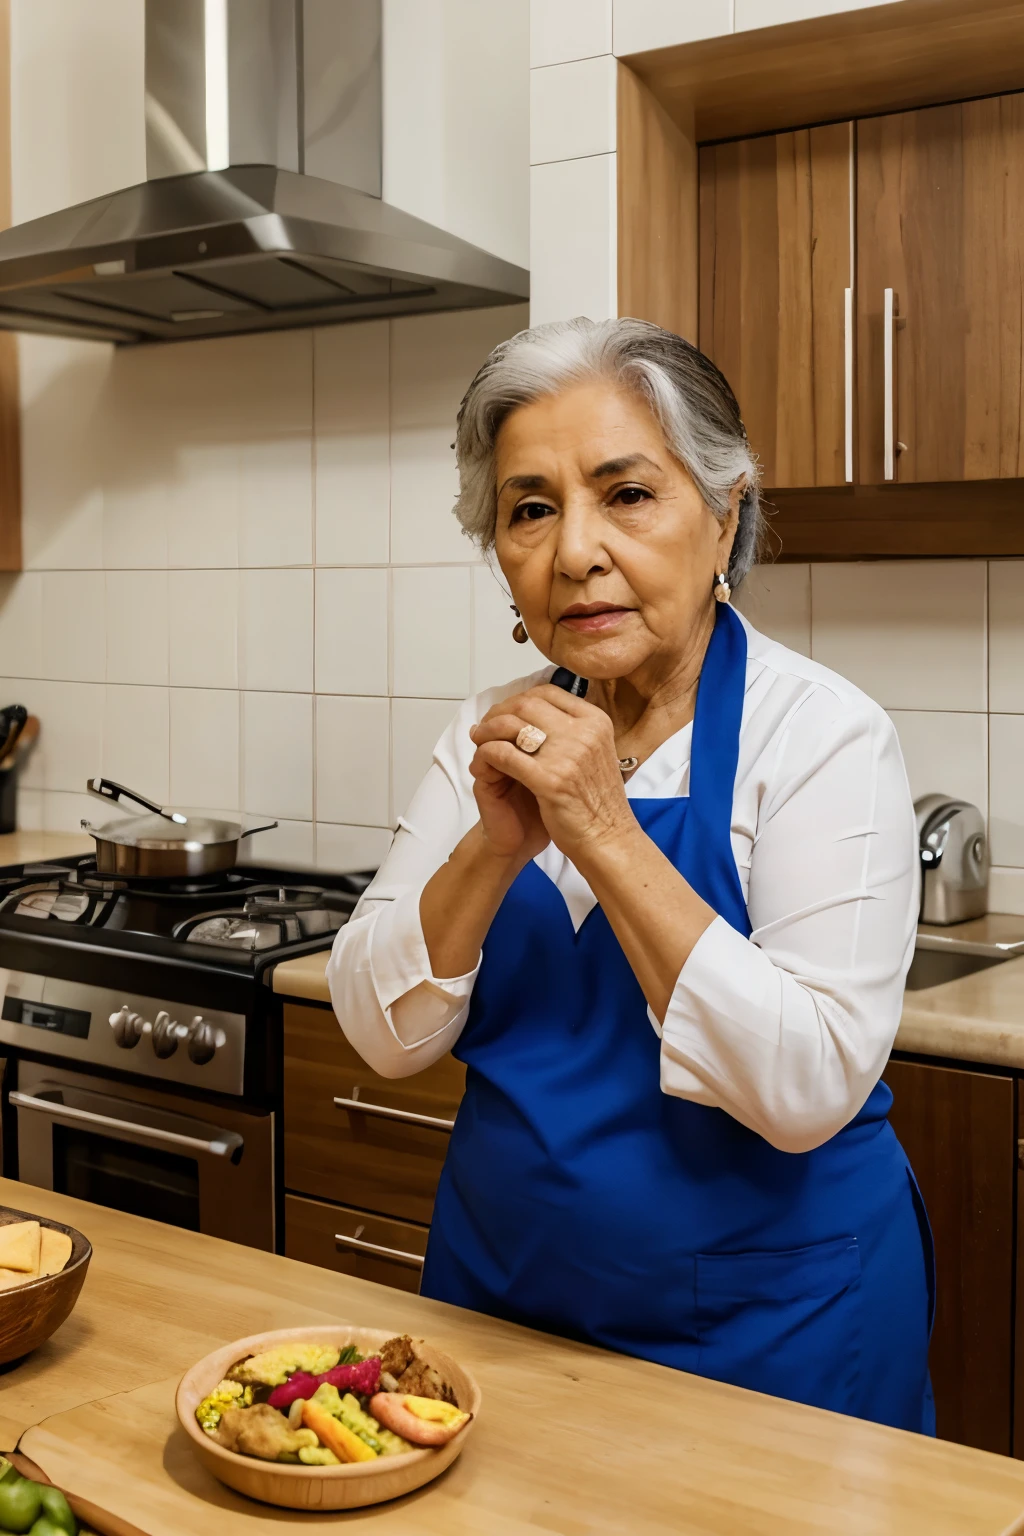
(146, 1481)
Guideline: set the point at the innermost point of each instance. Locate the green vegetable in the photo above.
(20, 1504)
(7, 1467)
(318, 1456)
(58, 1510)
(44, 1526)
(347, 1409)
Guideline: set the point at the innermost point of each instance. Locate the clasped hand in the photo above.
(570, 792)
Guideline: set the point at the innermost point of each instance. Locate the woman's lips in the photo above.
(595, 622)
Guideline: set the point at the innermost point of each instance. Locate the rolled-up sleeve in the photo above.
(789, 1030)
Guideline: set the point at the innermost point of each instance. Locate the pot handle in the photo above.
(250, 831)
(106, 789)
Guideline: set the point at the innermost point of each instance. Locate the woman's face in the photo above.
(608, 549)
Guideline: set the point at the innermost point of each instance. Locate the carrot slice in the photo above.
(332, 1433)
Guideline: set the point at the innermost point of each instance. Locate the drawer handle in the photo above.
(362, 1246)
(407, 1116)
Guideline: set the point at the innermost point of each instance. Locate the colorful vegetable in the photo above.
(318, 1456)
(275, 1365)
(57, 1510)
(363, 1378)
(226, 1394)
(20, 1504)
(421, 1420)
(346, 1445)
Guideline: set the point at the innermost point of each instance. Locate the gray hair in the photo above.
(688, 396)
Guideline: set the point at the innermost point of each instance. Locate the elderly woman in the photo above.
(665, 925)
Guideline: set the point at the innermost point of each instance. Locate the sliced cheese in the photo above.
(54, 1251)
(436, 1412)
(19, 1246)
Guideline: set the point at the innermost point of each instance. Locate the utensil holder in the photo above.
(9, 798)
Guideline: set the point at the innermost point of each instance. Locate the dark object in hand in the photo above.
(563, 678)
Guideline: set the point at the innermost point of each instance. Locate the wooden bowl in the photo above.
(319, 1488)
(30, 1313)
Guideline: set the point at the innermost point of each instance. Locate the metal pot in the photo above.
(164, 845)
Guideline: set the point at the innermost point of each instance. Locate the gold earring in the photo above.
(519, 634)
(722, 589)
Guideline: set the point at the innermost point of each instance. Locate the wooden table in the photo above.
(571, 1440)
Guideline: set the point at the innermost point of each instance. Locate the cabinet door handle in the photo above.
(406, 1116)
(413, 1260)
(890, 310)
(1020, 1153)
(848, 382)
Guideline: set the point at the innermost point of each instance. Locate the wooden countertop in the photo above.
(977, 1018)
(571, 1440)
(27, 847)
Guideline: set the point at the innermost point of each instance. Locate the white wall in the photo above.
(244, 589)
(940, 644)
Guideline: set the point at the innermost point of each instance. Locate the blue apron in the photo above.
(579, 1198)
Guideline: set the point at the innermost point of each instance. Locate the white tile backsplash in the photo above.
(351, 634)
(911, 633)
(572, 110)
(137, 626)
(203, 629)
(945, 753)
(351, 370)
(416, 727)
(1006, 636)
(431, 629)
(496, 657)
(136, 739)
(353, 749)
(290, 844)
(204, 755)
(275, 502)
(276, 631)
(21, 625)
(72, 739)
(1006, 824)
(351, 848)
(777, 601)
(573, 240)
(277, 755)
(561, 30)
(433, 359)
(74, 644)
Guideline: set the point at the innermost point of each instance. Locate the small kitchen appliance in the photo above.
(143, 1038)
(954, 857)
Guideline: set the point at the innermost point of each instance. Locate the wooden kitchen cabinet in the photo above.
(385, 1157)
(940, 222)
(775, 257)
(355, 1242)
(958, 1129)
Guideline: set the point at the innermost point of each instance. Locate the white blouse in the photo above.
(787, 1031)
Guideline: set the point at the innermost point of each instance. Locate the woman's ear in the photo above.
(728, 525)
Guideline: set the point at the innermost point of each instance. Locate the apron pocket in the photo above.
(788, 1324)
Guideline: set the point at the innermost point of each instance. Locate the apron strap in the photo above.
(714, 755)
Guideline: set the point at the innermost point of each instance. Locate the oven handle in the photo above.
(407, 1116)
(413, 1260)
(222, 1144)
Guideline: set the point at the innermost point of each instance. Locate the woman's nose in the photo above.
(581, 550)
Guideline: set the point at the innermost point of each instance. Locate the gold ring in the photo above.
(531, 738)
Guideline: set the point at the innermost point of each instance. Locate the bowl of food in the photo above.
(42, 1271)
(329, 1417)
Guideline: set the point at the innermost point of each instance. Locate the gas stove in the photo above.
(166, 979)
(143, 1039)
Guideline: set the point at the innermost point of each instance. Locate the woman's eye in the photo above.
(632, 495)
(531, 512)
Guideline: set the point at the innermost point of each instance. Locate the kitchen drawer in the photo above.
(370, 1160)
(316, 1233)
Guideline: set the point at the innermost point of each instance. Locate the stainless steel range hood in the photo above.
(262, 206)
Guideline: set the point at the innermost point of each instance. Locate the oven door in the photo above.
(147, 1152)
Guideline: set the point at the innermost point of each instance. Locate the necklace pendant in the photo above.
(627, 764)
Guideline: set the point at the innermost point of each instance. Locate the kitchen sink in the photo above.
(947, 954)
(931, 967)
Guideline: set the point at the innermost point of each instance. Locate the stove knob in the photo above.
(202, 1041)
(127, 1027)
(165, 1035)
